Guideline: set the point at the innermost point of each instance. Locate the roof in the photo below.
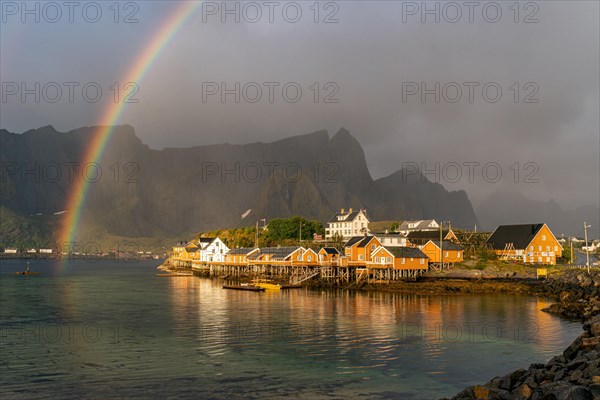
(365, 241)
(519, 235)
(406, 252)
(241, 250)
(446, 245)
(348, 216)
(420, 225)
(427, 234)
(331, 250)
(394, 234)
(190, 244)
(361, 241)
(206, 239)
(276, 252)
(353, 240)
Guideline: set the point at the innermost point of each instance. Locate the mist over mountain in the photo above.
(507, 207)
(135, 191)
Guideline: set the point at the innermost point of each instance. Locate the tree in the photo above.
(290, 228)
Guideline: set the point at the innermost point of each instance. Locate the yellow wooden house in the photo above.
(400, 257)
(360, 248)
(452, 252)
(528, 243)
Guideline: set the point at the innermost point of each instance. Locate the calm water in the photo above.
(115, 330)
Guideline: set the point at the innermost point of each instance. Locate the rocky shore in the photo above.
(573, 375)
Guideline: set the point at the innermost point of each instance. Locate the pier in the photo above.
(342, 272)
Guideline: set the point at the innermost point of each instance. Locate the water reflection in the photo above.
(187, 337)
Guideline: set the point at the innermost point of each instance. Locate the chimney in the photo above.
(342, 211)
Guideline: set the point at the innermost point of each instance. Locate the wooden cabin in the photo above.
(329, 254)
(400, 257)
(529, 243)
(288, 253)
(191, 251)
(420, 238)
(239, 255)
(452, 253)
(360, 248)
(309, 256)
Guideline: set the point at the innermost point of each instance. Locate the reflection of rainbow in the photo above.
(111, 115)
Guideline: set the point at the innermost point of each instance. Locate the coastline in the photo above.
(572, 375)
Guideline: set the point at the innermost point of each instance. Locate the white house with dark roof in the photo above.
(347, 223)
(212, 249)
(418, 225)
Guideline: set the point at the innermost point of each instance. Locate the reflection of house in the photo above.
(346, 224)
(360, 248)
(212, 249)
(419, 238)
(400, 258)
(418, 225)
(452, 253)
(530, 243)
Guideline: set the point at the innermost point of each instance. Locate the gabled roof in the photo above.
(206, 239)
(446, 245)
(519, 235)
(353, 240)
(348, 216)
(405, 252)
(331, 250)
(366, 241)
(419, 225)
(191, 244)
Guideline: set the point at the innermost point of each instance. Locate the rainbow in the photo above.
(110, 116)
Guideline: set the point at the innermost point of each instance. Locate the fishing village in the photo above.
(356, 252)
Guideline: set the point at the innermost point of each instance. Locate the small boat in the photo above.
(268, 286)
(27, 271)
(251, 288)
(291, 287)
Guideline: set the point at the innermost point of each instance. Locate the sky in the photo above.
(489, 96)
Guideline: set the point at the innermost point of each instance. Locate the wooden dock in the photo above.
(244, 287)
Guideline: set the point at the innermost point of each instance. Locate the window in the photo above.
(388, 260)
(543, 237)
(539, 248)
(309, 258)
(547, 259)
(547, 248)
(360, 257)
(555, 248)
(531, 248)
(446, 255)
(403, 260)
(539, 259)
(372, 247)
(422, 261)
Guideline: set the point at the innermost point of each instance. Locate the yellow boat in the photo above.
(266, 285)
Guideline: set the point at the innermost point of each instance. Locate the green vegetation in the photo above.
(291, 228)
(279, 232)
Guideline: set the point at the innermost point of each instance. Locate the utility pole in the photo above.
(587, 249)
(441, 252)
(300, 235)
(571, 244)
(256, 237)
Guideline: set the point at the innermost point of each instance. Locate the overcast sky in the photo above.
(371, 57)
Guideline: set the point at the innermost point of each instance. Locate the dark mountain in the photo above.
(152, 193)
(505, 207)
